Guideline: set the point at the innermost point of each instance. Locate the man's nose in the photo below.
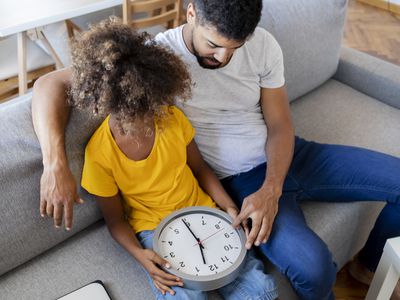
(222, 55)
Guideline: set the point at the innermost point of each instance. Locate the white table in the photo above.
(388, 272)
(19, 16)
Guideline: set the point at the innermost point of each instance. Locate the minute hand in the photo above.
(197, 239)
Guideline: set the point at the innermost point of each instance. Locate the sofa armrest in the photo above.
(370, 75)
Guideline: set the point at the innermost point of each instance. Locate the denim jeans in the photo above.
(252, 283)
(330, 173)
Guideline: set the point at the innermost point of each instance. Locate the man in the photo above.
(244, 131)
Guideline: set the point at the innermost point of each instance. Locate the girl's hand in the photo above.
(233, 212)
(162, 280)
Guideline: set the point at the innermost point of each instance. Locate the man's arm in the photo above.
(262, 206)
(50, 113)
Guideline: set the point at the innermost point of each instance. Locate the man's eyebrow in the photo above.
(218, 46)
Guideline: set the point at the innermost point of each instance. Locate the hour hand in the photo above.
(202, 254)
(197, 239)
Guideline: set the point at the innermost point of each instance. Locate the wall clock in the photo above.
(201, 246)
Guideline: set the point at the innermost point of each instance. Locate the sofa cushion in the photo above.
(309, 33)
(337, 113)
(23, 233)
(93, 254)
(88, 256)
(370, 75)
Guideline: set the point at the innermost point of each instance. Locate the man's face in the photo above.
(211, 49)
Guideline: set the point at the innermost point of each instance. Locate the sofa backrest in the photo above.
(309, 33)
(23, 233)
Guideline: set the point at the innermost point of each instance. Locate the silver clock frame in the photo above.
(206, 282)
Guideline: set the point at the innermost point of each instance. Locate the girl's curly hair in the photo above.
(119, 71)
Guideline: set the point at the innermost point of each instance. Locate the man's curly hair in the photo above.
(119, 71)
(233, 19)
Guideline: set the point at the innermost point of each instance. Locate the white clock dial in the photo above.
(221, 244)
(202, 247)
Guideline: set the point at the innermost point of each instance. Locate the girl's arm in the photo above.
(121, 231)
(208, 180)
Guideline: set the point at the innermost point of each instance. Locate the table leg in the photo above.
(386, 276)
(22, 73)
(53, 53)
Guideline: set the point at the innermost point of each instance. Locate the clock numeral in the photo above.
(172, 254)
(228, 247)
(203, 223)
(170, 243)
(224, 259)
(213, 267)
(186, 221)
(217, 226)
(176, 231)
(182, 264)
(227, 235)
(197, 269)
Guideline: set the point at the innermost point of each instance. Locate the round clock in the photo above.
(202, 247)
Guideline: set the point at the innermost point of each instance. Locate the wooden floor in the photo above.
(373, 30)
(376, 32)
(346, 288)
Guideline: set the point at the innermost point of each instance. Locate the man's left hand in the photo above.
(261, 207)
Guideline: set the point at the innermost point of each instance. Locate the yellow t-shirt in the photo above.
(153, 187)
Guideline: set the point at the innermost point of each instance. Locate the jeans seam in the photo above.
(300, 187)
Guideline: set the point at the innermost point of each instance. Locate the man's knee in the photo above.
(316, 278)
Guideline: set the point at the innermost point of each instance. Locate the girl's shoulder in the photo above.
(100, 139)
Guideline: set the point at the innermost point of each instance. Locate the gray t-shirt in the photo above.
(225, 106)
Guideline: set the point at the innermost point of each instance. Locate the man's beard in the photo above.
(202, 60)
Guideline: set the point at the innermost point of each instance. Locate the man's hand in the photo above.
(233, 212)
(58, 194)
(261, 207)
(162, 280)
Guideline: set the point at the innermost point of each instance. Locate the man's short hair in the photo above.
(233, 19)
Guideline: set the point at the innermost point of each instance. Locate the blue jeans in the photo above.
(252, 282)
(329, 173)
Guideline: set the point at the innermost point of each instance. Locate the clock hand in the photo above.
(197, 239)
(201, 242)
(202, 254)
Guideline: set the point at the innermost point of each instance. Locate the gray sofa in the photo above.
(337, 95)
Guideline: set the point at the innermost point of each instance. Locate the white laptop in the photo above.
(94, 290)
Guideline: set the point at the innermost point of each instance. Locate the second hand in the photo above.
(201, 242)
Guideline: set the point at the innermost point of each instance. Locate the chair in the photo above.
(38, 64)
(154, 15)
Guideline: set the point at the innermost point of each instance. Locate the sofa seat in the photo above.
(89, 255)
(92, 254)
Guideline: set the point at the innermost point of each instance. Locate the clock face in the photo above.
(200, 243)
